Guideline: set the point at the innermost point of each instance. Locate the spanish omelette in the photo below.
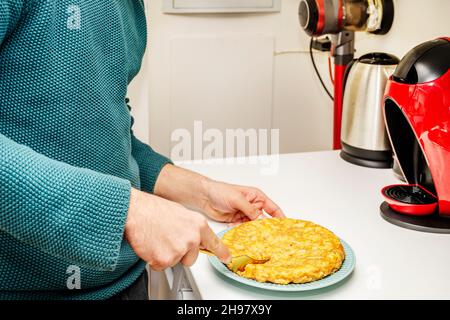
(299, 251)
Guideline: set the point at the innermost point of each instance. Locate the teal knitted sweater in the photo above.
(68, 157)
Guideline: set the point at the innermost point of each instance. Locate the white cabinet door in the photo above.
(195, 6)
(226, 82)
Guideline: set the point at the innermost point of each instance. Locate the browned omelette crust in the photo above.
(299, 251)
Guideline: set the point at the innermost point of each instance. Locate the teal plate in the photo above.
(340, 275)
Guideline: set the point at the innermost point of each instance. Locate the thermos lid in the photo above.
(379, 58)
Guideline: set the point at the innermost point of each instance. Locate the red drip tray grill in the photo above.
(410, 199)
(413, 207)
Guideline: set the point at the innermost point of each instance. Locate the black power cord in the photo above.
(317, 70)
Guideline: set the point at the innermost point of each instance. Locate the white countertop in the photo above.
(391, 262)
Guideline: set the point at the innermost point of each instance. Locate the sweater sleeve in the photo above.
(67, 212)
(10, 13)
(150, 162)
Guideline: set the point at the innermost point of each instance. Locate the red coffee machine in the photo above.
(417, 116)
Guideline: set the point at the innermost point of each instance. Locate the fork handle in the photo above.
(207, 252)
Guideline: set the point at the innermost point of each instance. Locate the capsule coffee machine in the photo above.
(417, 117)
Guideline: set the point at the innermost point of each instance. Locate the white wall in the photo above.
(179, 84)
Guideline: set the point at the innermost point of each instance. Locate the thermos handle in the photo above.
(346, 73)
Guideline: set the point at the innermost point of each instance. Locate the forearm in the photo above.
(182, 186)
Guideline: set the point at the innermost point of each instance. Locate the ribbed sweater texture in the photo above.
(68, 156)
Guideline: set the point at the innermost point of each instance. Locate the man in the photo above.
(80, 195)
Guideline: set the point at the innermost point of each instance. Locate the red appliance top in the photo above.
(417, 113)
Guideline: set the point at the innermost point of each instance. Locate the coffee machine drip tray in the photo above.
(412, 206)
(431, 223)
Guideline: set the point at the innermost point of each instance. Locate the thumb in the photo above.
(243, 205)
(212, 243)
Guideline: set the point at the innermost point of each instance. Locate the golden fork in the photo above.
(240, 262)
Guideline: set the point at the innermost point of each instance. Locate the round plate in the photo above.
(345, 270)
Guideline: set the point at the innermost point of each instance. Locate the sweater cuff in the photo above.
(111, 199)
(150, 164)
(150, 170)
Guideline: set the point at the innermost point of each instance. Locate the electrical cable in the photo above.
(317, 70)
(330, 71)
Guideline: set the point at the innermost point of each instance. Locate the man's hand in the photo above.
(233, 204)
(164, 233)
(220, 201)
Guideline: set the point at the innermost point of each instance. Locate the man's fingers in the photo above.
(256, 197)
(243, 205)
(238, 218)
(190, 257)
(272, 209)
(251, 196)
(212, 243)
